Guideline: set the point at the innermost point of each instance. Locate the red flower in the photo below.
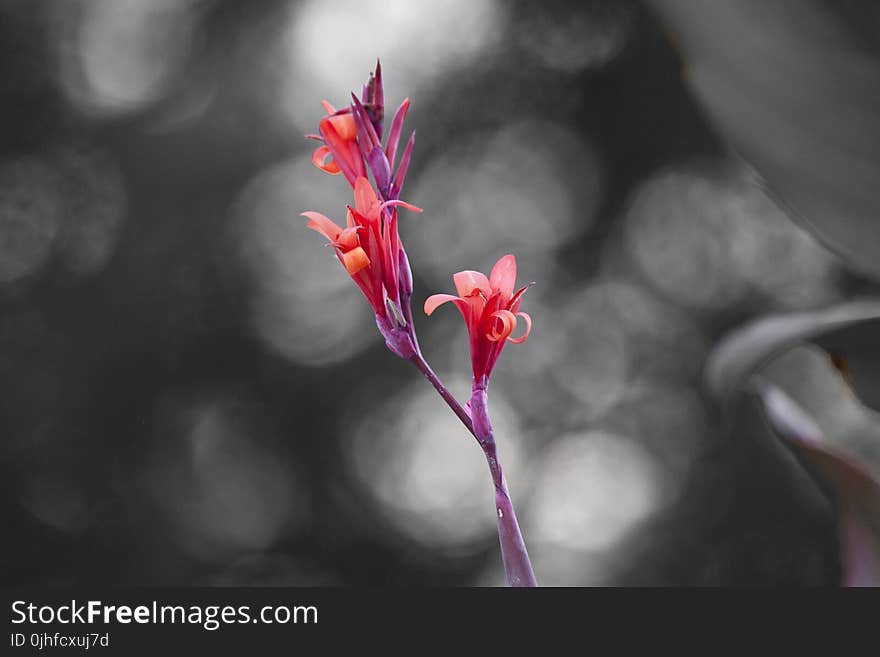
(352, 140)
(339, 133)
(490, 309)
(368, 247)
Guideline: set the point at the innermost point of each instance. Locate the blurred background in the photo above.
(193, 392)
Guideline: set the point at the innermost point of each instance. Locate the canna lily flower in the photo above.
(352, 140)
(369, 247)
(490, 309)
(338, 131)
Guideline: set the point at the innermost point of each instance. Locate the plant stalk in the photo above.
(517, 566)
(419, 361)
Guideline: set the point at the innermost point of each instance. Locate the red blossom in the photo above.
(338, 131)
(369, 246)
(490, 309)
(352, 140)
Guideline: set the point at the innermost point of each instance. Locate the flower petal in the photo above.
(364, 130)
(528, 320)
(371, 240)
(436, 300)
(394, 132)
(355, 260)
(378, 165)
(341, 150)
(348, 238)
(517, 297)
(402, 204)
(324, 225)
(503, 323)
(328, 107)
(365, 200)
(403, 167)
(344, 125)
(388, 235)
(470, 282)
(503, 276)
(319, 159)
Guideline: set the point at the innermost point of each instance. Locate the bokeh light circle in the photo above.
(512, 190)
(217, 477)
(31, 213)
(329, 44)
(591, 489)
(119, 56)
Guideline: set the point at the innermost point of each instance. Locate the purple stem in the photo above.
(514, 555)
(419, 361)
(517, 566)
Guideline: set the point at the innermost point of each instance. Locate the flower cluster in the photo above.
(369, 246)
(370, 250)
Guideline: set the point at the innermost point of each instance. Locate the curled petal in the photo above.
(355, 260)
(402, 204)
(436, 300)
(528, 320)
(327, 227)
(319, 159)
(503, 323)
(470, 282)
(503, 276)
